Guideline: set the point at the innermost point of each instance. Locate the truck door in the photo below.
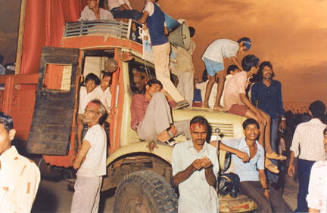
(51, 127)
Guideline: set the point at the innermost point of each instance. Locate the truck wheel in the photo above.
(145, 192)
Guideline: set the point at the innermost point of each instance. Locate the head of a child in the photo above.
(232, 69)
(245, 43)
(106, 80)
(7, 132)
(93, 4)
(250, 64)
(91, 81)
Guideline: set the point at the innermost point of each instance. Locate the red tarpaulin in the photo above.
(44, 26)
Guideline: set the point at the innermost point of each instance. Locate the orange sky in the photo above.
(290, 33)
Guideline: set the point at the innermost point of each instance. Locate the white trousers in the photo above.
(161, 65)
(86, 197)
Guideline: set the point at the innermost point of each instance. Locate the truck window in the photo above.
(58, 77)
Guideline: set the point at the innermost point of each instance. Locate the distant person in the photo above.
(151, 115)
(86, 94)
(184, 68)
(121, 9)
(2, 68)
(90, 161)
(93, 12)
(213, 59)
(266, 95)
(236, 102)
(19, 176)
(155, 21)
(195, 169)
(252, 174)
(308, 146)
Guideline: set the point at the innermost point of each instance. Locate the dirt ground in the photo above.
(54, 197)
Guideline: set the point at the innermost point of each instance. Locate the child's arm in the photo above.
(81, 154)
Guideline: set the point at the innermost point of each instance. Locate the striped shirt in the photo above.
(307, 143)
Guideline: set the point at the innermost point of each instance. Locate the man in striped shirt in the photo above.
(307, 145)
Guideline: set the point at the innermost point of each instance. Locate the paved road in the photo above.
(54, 197)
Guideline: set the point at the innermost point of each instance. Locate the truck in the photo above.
(44, 107)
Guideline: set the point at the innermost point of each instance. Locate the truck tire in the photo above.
(145, 192)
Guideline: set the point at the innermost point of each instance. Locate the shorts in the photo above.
(212, 67)
(238, 109)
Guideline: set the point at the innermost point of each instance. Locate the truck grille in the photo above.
(225, 129)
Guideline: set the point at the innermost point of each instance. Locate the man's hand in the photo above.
(282, 125)
(266, 194)
(291, 170)
(244, 156)
(197, 164)
(205, 162)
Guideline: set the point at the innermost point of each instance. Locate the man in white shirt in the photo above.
(213, 59)
(93, 12)
(90, 161)
(19, 176)
(308, 146)
(123, 9)
(195, 170)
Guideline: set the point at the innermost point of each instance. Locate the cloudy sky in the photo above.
(292, 34)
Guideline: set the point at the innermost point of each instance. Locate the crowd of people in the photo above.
(244, 86)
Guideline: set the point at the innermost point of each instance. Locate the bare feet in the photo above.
(205, 104)
(218, 108)
(163, 136)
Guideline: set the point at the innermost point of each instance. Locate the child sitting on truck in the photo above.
(86, 94)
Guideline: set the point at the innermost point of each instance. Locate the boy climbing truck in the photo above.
(44, 107)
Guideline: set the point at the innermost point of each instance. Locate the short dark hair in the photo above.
(106, 74)
(154, 81)
(263, 65)
(92, 77)
(250, 121)
(246, 42)
(317, 109)
(200, 120)
(249, 61)
(192, 31)
(7, 121)
(231, 68)
(244, 39)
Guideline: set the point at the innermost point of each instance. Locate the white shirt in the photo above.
(195, 194)
(317, 191)
(212, 98)
(19, 181)
(220, 49)
(85, 98)
(95, 159)
(228, 77)
(308, 136)
(149, 7)
(104, 96)
(117, 3)
(88, 15)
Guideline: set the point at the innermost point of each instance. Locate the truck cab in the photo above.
(44, 108)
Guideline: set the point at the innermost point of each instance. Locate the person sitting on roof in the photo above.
(123, 9)
(93, 12)
(151, 115)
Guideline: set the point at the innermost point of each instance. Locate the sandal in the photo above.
(271, 167)
(275, 156)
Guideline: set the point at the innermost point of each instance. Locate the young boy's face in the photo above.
(5, 138)
(90, 85)
(93, 4)
(105, 82)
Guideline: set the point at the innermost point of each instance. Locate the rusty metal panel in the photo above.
(54, 105)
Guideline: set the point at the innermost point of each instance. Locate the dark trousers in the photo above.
(303, 170)
(276, 203)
